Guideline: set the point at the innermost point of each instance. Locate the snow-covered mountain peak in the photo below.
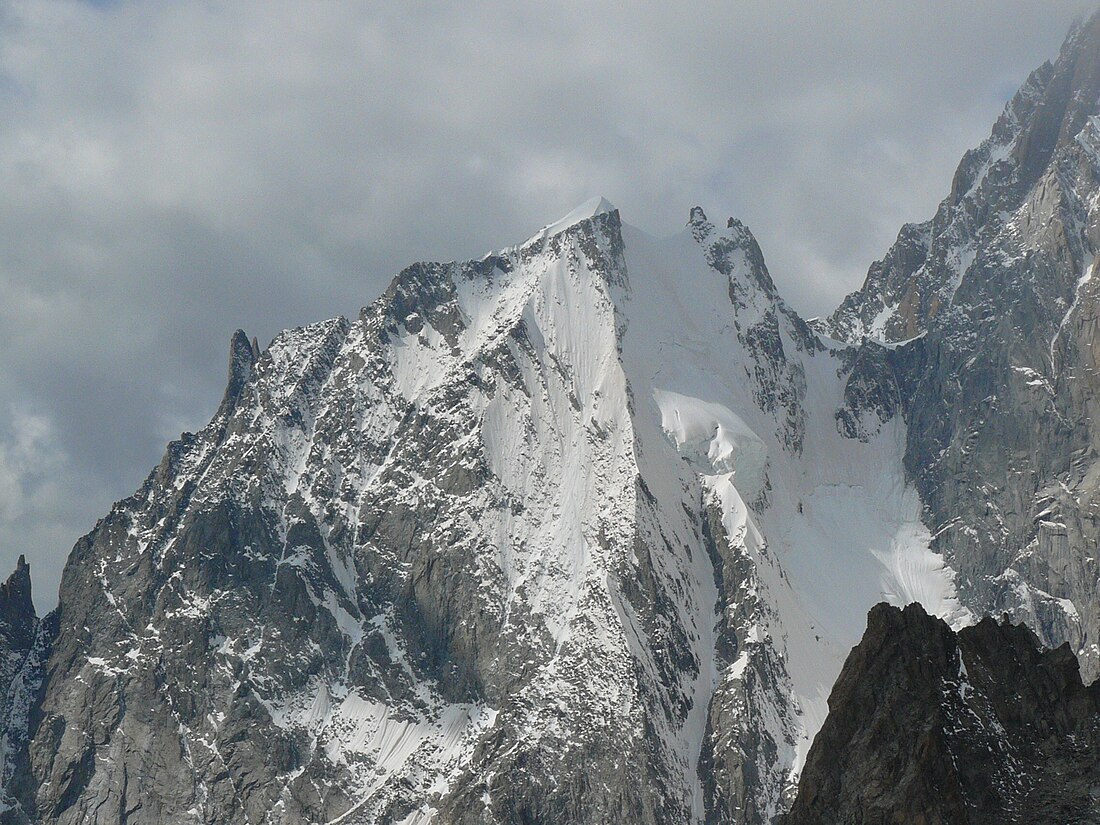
(570, 475)
(430, 291)
(592, 207)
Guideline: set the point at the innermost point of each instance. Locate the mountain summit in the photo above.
(589, 209)
(564, 534)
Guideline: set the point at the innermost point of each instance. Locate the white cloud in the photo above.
(35, 502)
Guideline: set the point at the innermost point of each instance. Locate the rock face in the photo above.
(926, 725)
(18, 622)
(990, 310)
(24, 650)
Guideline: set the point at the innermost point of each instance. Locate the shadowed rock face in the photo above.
(17, 620)
(24, 650)
(929, 726)
(991, 312)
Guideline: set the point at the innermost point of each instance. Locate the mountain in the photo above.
(570, 533)
(926, 725)
(989, 311)
(583, 531)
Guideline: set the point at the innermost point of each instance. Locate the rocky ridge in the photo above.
(926, 725)
(538, 537)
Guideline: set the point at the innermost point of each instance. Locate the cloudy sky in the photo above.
(170, 171)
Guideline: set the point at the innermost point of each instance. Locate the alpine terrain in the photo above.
(583, 531)
(995, 729)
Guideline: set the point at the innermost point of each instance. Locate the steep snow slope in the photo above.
(828, 522)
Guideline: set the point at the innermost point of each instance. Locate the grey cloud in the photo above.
(171, 171)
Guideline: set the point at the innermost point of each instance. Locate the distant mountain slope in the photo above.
(991, 311)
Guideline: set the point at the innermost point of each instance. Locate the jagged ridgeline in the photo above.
(583, 531)
(982, 726)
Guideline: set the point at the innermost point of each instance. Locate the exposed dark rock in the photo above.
(17, 620)
(24, 649)
(929, 726)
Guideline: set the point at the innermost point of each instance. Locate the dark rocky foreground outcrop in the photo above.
(935, 727)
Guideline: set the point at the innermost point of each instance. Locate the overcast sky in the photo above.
(170, 171)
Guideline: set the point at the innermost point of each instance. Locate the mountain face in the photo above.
(926, 725)
(567, 534)
(990, 313)
(17, 622)
(582, 531)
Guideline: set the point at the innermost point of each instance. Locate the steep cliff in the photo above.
(990, 313)
(926, 725)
